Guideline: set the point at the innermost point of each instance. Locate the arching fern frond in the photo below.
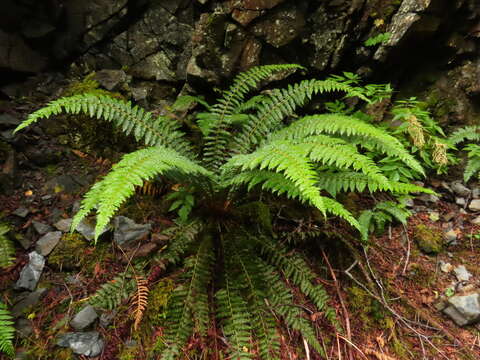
(233, 309)
(298, 271)
(7, 250)
(113, 293)
(280, 299)
(473, 163)
(217, 138)
(285, 158)
(147, 128)
(182, 236)
(108, 194)
(188, 305)
(345, 181)
(349, 128)
(471, 133)
(264, 324)
(7, 331)
(281, 103)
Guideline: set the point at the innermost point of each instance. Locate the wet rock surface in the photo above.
(82, 343)
(30, 274)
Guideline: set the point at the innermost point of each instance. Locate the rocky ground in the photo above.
(414, 292)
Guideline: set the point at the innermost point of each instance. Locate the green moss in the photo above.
(369, 311)
(69, 252)
(157, 302)
(429, 239)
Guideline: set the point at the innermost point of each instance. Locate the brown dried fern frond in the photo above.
(150, 189)
(140, 301)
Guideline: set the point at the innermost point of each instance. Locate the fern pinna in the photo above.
(7, 331)
(249, 143)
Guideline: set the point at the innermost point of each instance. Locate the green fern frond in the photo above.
(345, 181)
(217, 139)
(280, 299)
(471, 133)
(152, 131)
(201, 267)
(7, 331)
(142, 165)
(395, 210)
(264, 324)
(280, 104)
(7, 250)
(351, 129)
(113, 293)
(288, 159)
(365, 221)
(182, 236)
(179, 323)
(473, 163)
(298, 271)
(188, 305)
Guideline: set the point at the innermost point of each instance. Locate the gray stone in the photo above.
(84, 318)
(476, 193)
(111, 79)
(460, 189)
(21, 212)
(82, 343)
(47, 242)
(451, 237)
(445, 266)
(31, 272)
(23, 328)
(126, 231)
(63, 225)
(87, 229)
(66, 183)
(106, 318)
(7, 120)
(460, 201)
(27, 300)
(464, 309)
(476, 221)
(474, 205)
(41, 228)
(429, 198)
(462, 273)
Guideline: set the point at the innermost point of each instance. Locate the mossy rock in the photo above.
(429, 239)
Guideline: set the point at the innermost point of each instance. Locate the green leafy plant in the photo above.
(384, 212)
(471, 133)
(378, 39)
(7, 331)
(255, 144)
(7, 250)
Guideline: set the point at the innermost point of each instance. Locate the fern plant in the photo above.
(471, 133)
(249, 143)
(7, 331)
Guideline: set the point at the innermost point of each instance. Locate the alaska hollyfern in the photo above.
(249, 144)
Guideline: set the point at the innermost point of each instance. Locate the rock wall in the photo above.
(207, 41)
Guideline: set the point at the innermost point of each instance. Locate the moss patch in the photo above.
(429, 239)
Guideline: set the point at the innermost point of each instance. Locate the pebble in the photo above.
(445, 266)
(475, 205)
(451, 237)
(462, 273)
(41, 228)
(460, 189)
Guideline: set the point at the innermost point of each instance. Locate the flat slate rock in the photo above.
(47, 242)
(84, 318)
(30, 274)
(82, 343)
(41, 228)
(127, 232)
